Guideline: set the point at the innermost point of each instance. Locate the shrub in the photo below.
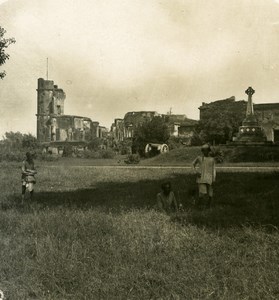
(217, 153)
(181, 142)
(124, 147)
(95, 144)
(14, 155)
(67, 150)
(174, 143)
(251, 154)
(107, 153)
(197, 139)
(133, 159)
(29, 141)
(90, 154)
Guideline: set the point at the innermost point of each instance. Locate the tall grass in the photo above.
(93, 234)
(136, 254)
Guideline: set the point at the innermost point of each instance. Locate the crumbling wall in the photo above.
(58, 101)
(71, 128)
(268, 117)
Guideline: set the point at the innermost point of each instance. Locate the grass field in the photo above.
(92, 233)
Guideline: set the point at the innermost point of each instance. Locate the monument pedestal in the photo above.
(250, 132)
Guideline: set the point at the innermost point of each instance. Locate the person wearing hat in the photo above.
(28, 176)
(204, 166)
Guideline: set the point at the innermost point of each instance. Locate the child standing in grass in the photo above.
(166, 200)
(204, 166)
(28, 176)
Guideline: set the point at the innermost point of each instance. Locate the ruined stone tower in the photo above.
(53, 126)
(50, 103)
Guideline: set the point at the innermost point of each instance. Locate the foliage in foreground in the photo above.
(4, 44)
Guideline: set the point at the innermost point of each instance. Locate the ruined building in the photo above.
(53, 125)
(178, 125)
(124, 128)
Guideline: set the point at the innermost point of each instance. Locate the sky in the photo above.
(115, 56)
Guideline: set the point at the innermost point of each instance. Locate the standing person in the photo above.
(28, 176)
(166, 200)
(204, 166)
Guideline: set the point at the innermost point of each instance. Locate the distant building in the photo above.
(53, 125)
(224, 105)
(117, 130)
(124, 128)
(103, 132)
(178, 125)
(268, 117)
(134, 119)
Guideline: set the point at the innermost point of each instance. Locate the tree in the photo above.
(29, 141)
(153, 131)
(13, 140)
(4, 44)
(17, 140)
(220, 120)
(95, 144)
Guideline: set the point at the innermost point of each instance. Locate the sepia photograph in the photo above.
(139, 149)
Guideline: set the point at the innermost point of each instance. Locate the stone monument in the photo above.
(250, 132)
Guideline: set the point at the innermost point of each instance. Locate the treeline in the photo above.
(14, 145)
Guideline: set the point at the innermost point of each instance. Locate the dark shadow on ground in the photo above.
(111, 196)
(239, 198)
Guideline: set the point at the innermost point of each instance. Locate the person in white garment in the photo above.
(204, 166)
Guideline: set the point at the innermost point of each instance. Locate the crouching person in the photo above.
(28, 176)
(166, 201)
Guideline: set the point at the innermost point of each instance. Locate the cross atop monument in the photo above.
(250, 91)
(250, 110)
